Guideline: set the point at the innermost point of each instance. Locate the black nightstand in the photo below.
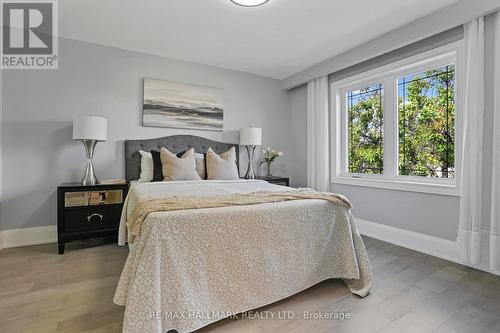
(88, 211)
(275, 180)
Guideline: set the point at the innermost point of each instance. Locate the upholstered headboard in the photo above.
(175, 143)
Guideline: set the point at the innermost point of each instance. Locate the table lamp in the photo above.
(90, 130)
(250, 137)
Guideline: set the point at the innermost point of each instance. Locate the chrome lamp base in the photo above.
(250, 172)
(89, 177)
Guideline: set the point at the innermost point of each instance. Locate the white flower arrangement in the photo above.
(269, 155)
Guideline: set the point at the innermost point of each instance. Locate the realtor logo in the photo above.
(29, 34)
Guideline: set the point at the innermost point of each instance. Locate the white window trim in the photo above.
(453, 52)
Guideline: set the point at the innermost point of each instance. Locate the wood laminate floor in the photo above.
(41, 291)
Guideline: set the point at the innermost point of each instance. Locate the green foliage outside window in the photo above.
(426, 114)
(366, 114)
(427, 123)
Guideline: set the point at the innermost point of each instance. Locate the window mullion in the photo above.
(390, 128)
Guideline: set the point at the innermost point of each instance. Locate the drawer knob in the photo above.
(95, 214)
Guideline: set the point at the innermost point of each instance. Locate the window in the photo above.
(365, 117)
(395, 126)
(426, 103)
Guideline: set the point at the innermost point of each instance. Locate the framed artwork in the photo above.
(180, 105)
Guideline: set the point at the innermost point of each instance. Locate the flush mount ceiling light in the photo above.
(249, 3)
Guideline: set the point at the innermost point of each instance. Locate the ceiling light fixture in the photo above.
(249, 3)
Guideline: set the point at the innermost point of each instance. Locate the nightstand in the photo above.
(88, 211)
(275, 180)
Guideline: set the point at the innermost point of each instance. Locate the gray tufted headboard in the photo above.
(175, 143)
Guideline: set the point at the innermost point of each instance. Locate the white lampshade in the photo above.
(90, 128)
(251, 136)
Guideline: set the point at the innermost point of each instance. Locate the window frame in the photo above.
(388, 75)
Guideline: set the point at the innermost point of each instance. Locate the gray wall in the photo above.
(427, 44)
(435, 215)
(39, 106)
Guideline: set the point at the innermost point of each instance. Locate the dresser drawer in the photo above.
(93, 198)
(92, 218)
(282, 183)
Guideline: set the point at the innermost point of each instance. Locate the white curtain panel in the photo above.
(317, 135)
(469, 233)
(495, 195)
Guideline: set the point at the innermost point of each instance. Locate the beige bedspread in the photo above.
(189, 268)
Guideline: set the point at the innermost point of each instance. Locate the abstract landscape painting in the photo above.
(179, 105)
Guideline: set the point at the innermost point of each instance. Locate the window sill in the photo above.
(400, 185)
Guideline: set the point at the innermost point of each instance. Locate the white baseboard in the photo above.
(438, 247)
(28, 236)
(434, 246)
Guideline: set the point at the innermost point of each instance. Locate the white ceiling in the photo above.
(276, 40)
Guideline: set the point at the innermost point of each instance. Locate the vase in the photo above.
(269, 172)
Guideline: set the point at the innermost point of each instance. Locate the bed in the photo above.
(194, 265)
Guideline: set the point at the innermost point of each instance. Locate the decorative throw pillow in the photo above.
(223, 166)
(146, 166)
(175, 168)
(157, 168)
(200, 163)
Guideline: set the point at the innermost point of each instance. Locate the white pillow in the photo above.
(223, 166)
(174, 168)
(146, 166)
